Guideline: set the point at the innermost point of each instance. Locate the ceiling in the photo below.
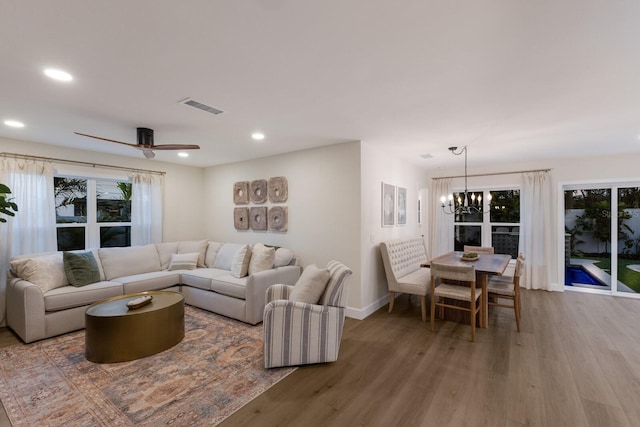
(513, 80)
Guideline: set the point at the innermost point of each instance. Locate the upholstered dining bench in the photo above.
(402, 259)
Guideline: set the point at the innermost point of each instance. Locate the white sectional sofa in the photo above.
(221, 278)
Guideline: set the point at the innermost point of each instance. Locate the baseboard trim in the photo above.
(363, 313)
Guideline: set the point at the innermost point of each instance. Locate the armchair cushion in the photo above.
(311, 285)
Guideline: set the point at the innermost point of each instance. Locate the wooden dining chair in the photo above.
(500, 288)
(456, 282)
(479, 249)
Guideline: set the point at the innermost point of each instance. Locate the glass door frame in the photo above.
(613, 186)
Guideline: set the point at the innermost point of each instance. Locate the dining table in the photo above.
(485, 265)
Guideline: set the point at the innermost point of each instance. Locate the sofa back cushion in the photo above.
(46, 271)
(189, 247)
(212, 251)
(225, 255)
(165, 250)
(119, 262)
(283, 256)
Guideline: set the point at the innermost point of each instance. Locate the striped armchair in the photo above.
(297, 333)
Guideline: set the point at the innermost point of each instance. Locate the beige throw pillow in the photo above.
(240, 262)
(184, 261)
(261, 258)
(283, 257)
(47, 271)
(310, 286)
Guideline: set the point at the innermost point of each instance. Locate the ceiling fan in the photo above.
(145, 143)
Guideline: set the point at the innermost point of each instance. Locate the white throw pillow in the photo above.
(212, 252)
(261, 258)
(310, 286)
(240, 263)
(225, 255)
(184, 261)
(283, 257)
(47, 271)
(165, 250)
(199, 246)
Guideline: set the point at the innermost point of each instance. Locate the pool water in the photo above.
(575, 274)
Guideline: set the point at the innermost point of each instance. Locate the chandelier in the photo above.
(468, 204)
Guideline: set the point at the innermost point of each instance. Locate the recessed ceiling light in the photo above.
(60, 75)
(183, 154)
(14, 123)
(258, 136)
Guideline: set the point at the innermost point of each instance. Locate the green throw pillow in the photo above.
(81, 268)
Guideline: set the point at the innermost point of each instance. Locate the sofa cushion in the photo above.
(121, 262)
(199, 246)
(81, 268)
(201, 278)
(414, 282)
(70, 296)
(240, 262)
(45, 271)
(283, 256)
(152, 281)
(261, 258)
(231, 286)
(165, 250)
(225, 255)
(212, 252)
(311, 285)
(187, 261)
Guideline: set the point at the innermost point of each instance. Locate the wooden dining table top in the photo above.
(486, 263)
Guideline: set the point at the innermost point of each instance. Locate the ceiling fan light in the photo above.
(183, 154)
(258, 136)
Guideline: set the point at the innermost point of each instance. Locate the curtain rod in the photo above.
(493, 174)
(77, 162)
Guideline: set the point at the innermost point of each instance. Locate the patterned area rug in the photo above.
(214, 371)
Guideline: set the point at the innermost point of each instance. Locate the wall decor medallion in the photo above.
(278, 189)
(241, 193)
(279, 218)
(258, 191)
(241, 218)
(258, 218)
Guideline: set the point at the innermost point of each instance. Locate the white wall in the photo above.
(381, 166)
(183, 201)
(324, 205)
(563, 171)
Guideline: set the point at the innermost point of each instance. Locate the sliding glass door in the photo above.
(602, 238)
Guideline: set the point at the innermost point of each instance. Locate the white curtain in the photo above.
(441, 225)
(33, 228)
(536, 230)
(146, 208)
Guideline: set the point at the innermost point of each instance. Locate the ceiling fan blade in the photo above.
(106, 139)
(176, 147)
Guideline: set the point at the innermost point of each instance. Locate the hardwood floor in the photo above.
(575, 363)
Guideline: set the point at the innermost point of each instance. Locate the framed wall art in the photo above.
(388, 203)
(402, 206)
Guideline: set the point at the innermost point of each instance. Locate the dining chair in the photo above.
(455, 282)
(507, 287)
(479, 249)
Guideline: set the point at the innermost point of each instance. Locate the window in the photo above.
(92, 212)
(498, 226)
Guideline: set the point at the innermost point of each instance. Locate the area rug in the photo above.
(214, 371)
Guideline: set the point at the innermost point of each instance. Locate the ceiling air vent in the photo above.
(201, 106)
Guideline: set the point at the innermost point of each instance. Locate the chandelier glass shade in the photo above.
(466, 203)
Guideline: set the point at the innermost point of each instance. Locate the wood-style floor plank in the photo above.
(574, 363)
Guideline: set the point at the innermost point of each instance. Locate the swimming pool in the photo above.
(577, 274)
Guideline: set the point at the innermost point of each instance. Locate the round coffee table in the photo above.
(114, 333)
